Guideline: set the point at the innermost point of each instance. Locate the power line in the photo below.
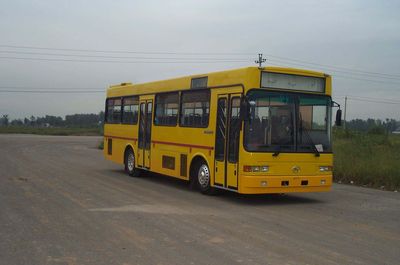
(371, 98)
(368, 80)
(373, 101)
(334, 67)
(53, 91)
(346, 76)
(382, 77)
(347, 73)
(119, 51)
(120, 57)
(340, 68)
(49, 88)
(166, 62)
(128, 62)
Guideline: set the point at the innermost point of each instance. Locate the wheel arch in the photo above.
(129, 147)
(195, 159)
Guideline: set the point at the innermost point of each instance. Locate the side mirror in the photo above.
(338, 121)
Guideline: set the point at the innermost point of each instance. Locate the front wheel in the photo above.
(130, 164)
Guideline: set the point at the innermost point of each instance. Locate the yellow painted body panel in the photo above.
(122, 135)
(281, 169)
(192, 142)
(249, 77)
(219, 173)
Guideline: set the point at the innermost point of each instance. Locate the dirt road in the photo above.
(62, 203)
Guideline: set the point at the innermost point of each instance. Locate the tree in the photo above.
(5, 120)
(17, 122)
(82, 120)
(390, 125)
(32, 120)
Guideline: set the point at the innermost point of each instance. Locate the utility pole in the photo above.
(345, 108)
(260, 60)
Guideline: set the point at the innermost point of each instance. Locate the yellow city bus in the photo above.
(250, 130)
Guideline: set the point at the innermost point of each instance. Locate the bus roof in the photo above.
(247, 76)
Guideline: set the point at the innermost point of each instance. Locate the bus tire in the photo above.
(202, 177)
(129, 162)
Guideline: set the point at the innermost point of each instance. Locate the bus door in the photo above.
(227, 141)
(144, 141)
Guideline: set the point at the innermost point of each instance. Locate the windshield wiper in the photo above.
(276, 150)
(303, 129)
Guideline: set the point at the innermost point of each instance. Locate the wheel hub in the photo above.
(131, 162)
(204, 176)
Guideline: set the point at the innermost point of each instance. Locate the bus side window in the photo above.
(195, 108)
(166, 109)
(113, 110)
(130, 109)
(109, 110)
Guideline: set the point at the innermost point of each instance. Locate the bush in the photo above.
(367, 159)
(378, 130)
(52, 130)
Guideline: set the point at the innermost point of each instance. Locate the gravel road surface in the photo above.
(62, 203)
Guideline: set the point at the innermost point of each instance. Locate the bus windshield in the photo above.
(287, 122)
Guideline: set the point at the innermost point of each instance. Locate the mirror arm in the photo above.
(335, 104)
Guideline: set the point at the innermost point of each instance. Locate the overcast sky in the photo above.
(357, 42)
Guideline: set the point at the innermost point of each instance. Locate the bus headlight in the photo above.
(325, 168)
(255, 168)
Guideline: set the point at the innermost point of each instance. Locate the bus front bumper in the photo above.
(285, 184)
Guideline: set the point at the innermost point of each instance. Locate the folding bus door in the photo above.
(144, 141)
(227, 141)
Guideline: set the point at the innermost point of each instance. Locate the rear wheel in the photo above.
(202, 177)
(130, 164)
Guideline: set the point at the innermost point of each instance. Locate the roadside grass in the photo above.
(75, 131)
(371, 160)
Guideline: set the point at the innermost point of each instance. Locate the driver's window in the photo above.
(281, 126)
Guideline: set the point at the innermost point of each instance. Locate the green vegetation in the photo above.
(367, 154)
(370, 159)
(52, 130)
(75, 124)
(101, 145)
(74, 120)
(367, 125)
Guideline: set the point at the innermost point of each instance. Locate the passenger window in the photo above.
(166, 112)
(195, 108)
(130, 110)
(113, 111)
